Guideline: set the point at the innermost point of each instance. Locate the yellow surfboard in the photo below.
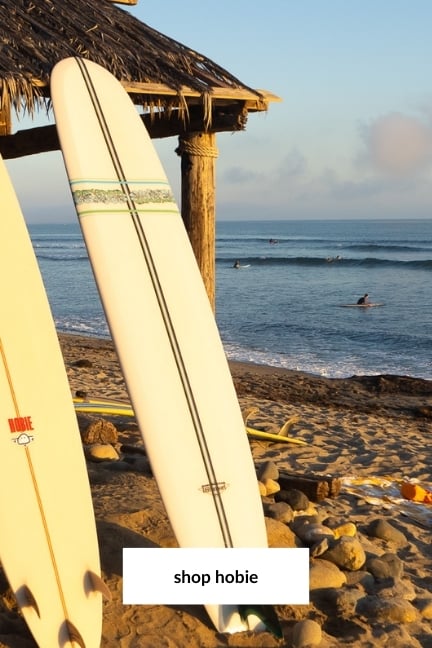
(102, 406)
(112, 407)
(269, 436)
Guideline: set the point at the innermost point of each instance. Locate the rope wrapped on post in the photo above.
(194, 148)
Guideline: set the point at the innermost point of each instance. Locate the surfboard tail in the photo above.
(25, 599)
(74, 634)
(231, 619)
(96, 584)
(260, 618)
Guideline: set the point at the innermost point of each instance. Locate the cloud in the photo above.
(398, 144)
(292, 167)
(236, 175)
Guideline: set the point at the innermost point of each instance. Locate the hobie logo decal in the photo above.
(20, 424)
(23, 439)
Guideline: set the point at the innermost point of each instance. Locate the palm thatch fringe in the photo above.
(36, 34)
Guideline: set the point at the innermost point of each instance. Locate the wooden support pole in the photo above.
(198, 153)
(5, 118)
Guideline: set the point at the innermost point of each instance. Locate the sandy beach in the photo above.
(371, 433)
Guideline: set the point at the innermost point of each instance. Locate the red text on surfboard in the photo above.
(20, 424)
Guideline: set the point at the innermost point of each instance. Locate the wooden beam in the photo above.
(223, 119)
(29, 142)
(44, 138)
(258, 98)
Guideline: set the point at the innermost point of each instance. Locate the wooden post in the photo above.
(5, 119)
(198, 153)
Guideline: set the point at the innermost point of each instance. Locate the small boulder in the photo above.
(386, 566)
(295, 498)
(382, 529)
(324, 575)
(346, 553)
(268, 470)
(279, 511)
(100, 431)
(306, 634)
(280, 536)
(102, 452)
(271, 486)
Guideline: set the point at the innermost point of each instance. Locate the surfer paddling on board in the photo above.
(236, 264)
(363, 300)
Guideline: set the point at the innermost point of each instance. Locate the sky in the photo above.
(351, 138)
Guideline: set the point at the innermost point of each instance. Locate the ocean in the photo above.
(284, 305)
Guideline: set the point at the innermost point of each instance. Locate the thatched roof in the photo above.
(163, 73)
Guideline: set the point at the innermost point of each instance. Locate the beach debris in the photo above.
(316, 487)
(385, 492)
(416, 493)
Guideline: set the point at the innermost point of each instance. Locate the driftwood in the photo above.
(316, 487)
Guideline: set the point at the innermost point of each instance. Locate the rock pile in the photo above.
(356, 574)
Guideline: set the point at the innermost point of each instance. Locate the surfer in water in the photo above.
(236, 264)
(363, 300)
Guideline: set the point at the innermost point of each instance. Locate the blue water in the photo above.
(284, 308)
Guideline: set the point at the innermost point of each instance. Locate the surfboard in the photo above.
(102, 406)
(48, 543)
(270, 436)
(371, 305)
(112, 407)
(160, 319)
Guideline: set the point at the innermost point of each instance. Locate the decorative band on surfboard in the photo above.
(164, 310)
(140, 197)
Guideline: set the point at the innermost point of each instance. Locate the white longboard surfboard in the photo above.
(160, 318)
(48, 542)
